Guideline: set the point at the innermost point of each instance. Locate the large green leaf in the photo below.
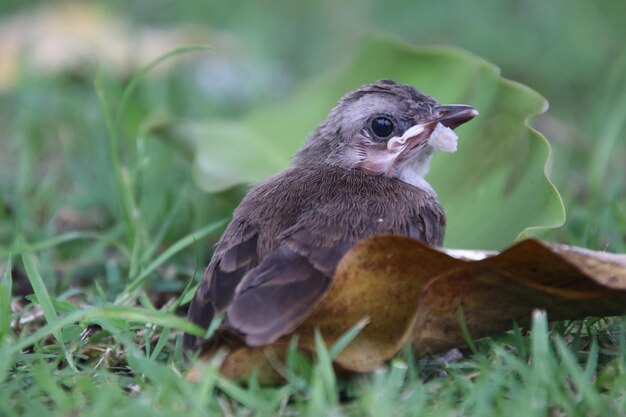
(494, 188)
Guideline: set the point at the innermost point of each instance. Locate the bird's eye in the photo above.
(382, 127)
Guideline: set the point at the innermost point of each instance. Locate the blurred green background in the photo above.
(53, 141)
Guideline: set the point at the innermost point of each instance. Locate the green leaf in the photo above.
(494, 188)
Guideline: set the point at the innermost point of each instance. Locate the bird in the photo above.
(360, 173)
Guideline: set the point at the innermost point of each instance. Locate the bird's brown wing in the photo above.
(236, 254)
(277, 295)
(428, 225)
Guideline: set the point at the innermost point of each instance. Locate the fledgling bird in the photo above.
(360, 173)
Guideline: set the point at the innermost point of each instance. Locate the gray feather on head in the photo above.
(339, 139)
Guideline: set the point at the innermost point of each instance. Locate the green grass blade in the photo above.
(215, 323)
(324, 359)
(118, 175)
(255, 402)
(579, 378)
(519, 341)
(190, 289)
(622, 350)
(41, 292)
(138, 281)
(165, 334)
(158, 238)
(135, 254)
(460, 315)
(95, 314)
(139, 75)
(324, 381)
(45, 302)
(347, 337)
(592, 361)
(605, 150)
(201, 393)
(44, 377)
(21, 248)
(6, 289)
(6, 361)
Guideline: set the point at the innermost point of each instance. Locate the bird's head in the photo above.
(386, 129)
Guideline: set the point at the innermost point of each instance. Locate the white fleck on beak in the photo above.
(443, 139)
(398, 143)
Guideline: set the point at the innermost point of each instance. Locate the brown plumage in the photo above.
(279, 253)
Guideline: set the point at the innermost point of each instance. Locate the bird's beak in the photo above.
(449, 115)
(453, 115)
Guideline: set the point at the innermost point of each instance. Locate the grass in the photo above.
(101, 229)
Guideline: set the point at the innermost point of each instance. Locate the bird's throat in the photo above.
(414, 169)
(411, 168)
